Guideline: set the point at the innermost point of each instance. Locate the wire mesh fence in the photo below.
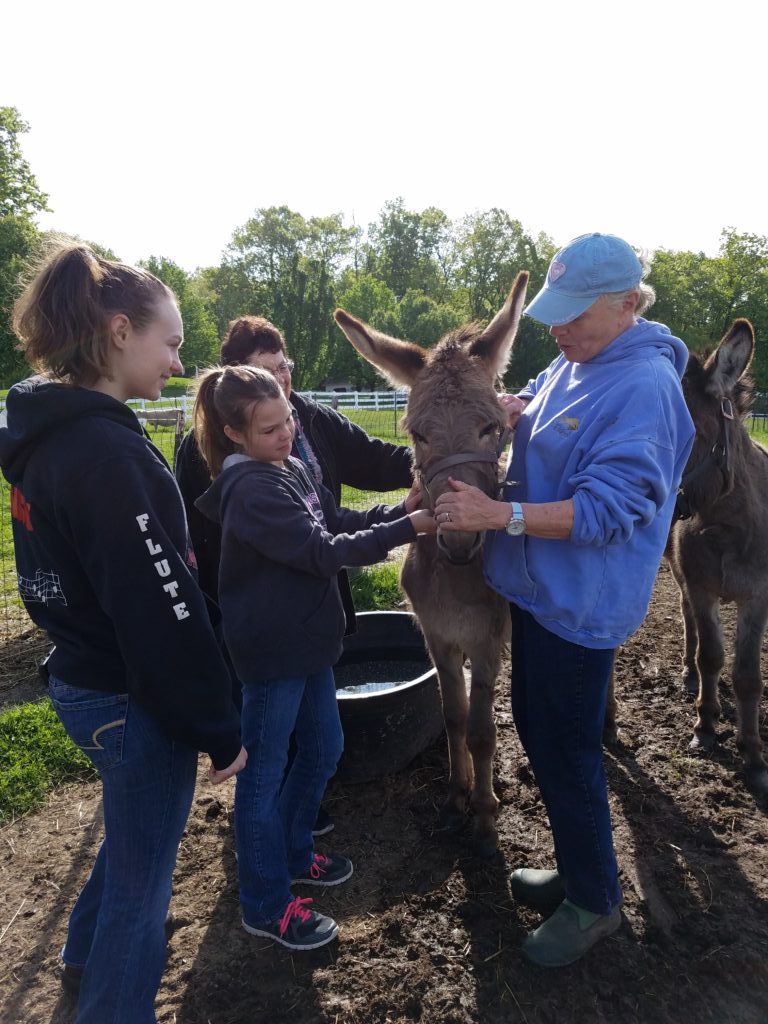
(22, 646)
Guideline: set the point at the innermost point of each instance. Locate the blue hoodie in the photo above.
(613, 434)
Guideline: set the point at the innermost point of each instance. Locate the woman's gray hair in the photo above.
(647, 292)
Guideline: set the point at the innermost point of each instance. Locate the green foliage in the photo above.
(19, 245)
(20, 195)
(377, 588)
(201, 340)
(36, 754)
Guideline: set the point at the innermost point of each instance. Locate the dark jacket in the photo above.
(283, 542)
(346, 454)
(103, 561)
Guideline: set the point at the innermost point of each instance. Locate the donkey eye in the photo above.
(418, 438)
(492, 428)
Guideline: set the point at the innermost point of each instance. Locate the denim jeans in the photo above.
(274, 817)
(116, 930)
(559, 693)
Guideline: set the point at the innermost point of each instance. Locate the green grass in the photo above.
(377, 588)
(36, 754)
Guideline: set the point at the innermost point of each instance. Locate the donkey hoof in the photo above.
(690, 683)
(757, 779)
(486, 846)
(450, 820)
(703, 741)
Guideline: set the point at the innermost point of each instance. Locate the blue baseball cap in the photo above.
(585, 269)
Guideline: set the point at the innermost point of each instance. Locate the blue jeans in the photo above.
(274, 818)
(116, 930)
(559, 693)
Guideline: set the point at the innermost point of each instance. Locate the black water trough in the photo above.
(389, 699)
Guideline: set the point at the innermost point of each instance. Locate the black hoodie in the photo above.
(283, 542)
(103, 561)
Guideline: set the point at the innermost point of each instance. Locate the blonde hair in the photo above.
(227, 396)
(62, 316)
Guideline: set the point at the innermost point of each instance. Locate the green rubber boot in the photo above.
(568, 934)
(538, 889)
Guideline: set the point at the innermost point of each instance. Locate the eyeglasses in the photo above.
(286, 366)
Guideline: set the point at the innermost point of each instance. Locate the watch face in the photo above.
(515, 527)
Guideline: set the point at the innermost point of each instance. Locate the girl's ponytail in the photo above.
(62, 317)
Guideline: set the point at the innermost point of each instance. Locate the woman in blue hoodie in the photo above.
(104, 565)
(602, 437)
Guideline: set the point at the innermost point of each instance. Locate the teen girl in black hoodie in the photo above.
(104, 565)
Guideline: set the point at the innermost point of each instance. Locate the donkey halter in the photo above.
(429, 473)
(718, 456)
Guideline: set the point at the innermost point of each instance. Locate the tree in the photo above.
(19, 192)
(19, 245)
(411, 250)
(289, 267)
(423, 320)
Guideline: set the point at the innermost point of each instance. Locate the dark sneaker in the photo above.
(331, 870)
(298, 927)
(561, 940)
(538, 889)
(323, 824)
(72, 977)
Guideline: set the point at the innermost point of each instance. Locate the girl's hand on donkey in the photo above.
(215, 777)
(413, 498)
(423, 521)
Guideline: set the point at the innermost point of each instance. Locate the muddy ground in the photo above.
(429, 932)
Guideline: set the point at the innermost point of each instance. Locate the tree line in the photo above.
(413, 274)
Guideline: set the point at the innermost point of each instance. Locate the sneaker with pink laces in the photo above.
(298, 927)
(330, 870)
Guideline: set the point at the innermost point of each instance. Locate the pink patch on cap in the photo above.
(556, 270)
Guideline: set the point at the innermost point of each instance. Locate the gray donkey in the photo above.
(458, 429)
(719, 549)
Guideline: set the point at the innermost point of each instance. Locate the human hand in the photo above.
(215, 776)
(513, 407)
(414, 496)
(467, 508)
(423, 521)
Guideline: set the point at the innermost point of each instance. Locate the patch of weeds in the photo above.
(36, 754)
(377, 588)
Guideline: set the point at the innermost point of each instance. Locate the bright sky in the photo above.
(158, 128)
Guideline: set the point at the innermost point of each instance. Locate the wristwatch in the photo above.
(516, 524)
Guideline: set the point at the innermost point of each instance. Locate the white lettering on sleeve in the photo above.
(154, 549)
(163, 569)
(181, 610)
(142, 520)
(171, 588)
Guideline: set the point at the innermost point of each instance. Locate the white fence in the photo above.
(337, 399)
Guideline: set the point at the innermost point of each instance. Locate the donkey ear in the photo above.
(401, 362)
(731, 359)
(494, 345)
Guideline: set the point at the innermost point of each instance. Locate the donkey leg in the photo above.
(709, 661)
(448, 661)
(748, 689)
(689, 678)
(481, 740)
